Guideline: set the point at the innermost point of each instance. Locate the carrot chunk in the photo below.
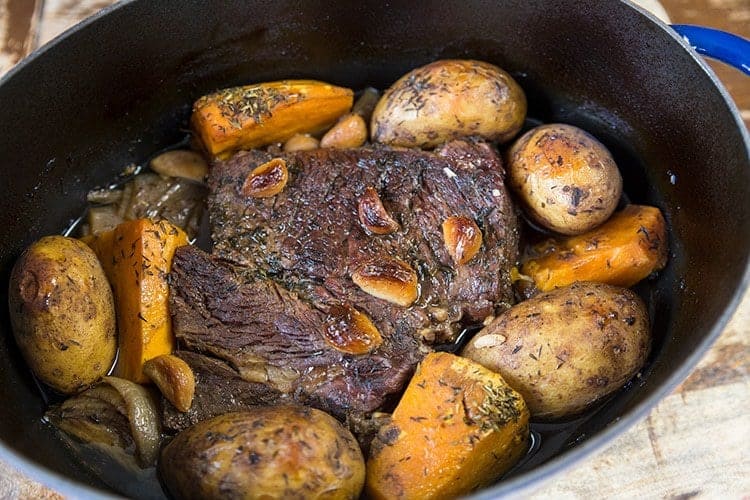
(137, 257)
(457, 428)
(261, 114)
(628, 247)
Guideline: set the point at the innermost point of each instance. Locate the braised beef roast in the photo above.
(283, 267)
(268, 334)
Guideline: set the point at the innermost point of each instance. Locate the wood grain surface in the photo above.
(694, 444)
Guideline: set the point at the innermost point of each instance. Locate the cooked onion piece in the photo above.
(180, 163)
(148, 195)
(117, 413)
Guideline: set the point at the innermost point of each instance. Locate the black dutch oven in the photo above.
(118, 87)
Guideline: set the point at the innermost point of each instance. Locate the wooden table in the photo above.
(695, 443)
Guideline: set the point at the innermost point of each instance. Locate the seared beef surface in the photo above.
(269, 335)
(309, 238)
(281, 265)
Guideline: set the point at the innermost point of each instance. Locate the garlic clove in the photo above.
(267, 179)
(388, 278)
(180, 163)
(174, 378)
(349, 132)
(301, 142)
(462, 238)
(372, 214)
(351, 331)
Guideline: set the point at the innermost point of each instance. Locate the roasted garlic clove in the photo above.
(462, 238)
(373, 215)
(174, 378)
(389, 279)
(180, 163)
(266, 180)
(349, 132)
(301, 142)
(351, 331)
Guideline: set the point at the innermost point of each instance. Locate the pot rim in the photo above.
(528, 481)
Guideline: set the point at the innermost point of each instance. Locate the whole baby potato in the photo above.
(62, 313)
(267, 452)
(448, 99)
(566, 180)
(564, 349)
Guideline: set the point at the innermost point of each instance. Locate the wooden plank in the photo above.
(18, 30)
(689, 446)
(728, 361)
(655, 7)
(15, 485)
(60, 15)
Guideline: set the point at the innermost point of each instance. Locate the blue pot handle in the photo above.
(731, 49)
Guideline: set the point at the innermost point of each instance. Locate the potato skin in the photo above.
(62, 313)
(267, 452)
(447, 99)
(566, 180)
(564, 349)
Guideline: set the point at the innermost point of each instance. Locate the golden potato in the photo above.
(566, 180)
(567, 348)
(62, 313)
(267, 452)
(448, 99)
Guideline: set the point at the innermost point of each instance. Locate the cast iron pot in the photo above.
(118, 87)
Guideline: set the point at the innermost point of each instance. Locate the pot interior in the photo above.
(119, 88)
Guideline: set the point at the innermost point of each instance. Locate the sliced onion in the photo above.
(179, 201)
(109, 395)
(103, 218)
(104, 196)
(143, 416)
(93, 420)
(117, 414)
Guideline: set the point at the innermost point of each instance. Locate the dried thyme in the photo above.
(239, 104)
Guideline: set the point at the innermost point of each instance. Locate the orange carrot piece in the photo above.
(261, 114)
(628, 247)
(136, 257)
(457, 428)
